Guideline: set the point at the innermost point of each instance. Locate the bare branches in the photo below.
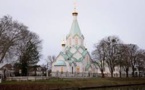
(116, 54)
(49, 61)
(10, 35)
(14, 37)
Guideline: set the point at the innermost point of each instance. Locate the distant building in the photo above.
(74, 59)
(37, 70)
(7, 69)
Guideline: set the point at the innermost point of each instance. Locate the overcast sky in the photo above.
(52, 19)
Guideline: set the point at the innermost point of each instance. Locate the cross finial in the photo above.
(75, 12)
(75, 5)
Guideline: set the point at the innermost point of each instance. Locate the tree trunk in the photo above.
(4, 72)
(111, 73)
(102, 73)
(133, 71)
(139, 72)
(127, 72)
(46, 72)
(120, 72)
(35, 73)
(4, 51)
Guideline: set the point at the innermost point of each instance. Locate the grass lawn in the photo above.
(66, 83)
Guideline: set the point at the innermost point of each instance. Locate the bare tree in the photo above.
(49, 61)
(114, 53)
(111, 52)
(16, 40)
(99, 56)
(140, 61)
(10, 35)
(107, 52)
(123, 58)
(133, 57)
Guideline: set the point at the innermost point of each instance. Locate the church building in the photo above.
(74, 59)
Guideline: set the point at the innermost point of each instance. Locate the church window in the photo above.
(70, 41)
(78, 69)
(87, 59)
(76, 41)
(72, 70)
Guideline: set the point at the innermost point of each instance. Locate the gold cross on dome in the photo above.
(75, 5)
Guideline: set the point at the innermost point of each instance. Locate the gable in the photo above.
(60, 57)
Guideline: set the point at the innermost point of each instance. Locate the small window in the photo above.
(78, 69)
(87, 59)
(76, 41)
(69, 41)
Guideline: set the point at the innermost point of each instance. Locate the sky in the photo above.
(52, 19)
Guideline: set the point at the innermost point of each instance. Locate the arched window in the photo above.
(87, 58)
(76, 41)
(78, 69)
(69, 41)
(72, 70)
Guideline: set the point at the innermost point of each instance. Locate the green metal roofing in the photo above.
(87, 66)
(84, 53)
(64, 55)
(68, 56)
(75, 29)
(59, 63)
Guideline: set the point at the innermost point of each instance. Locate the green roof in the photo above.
(87, 66)
(64, 55)
(84, 53)
(68, 56)
(59, 63)
(75, 29)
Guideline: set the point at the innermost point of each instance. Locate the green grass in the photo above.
(64, 83)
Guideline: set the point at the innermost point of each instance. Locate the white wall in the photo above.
(73, 41)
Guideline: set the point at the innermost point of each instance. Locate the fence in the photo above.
(69, 74)
(27, 78)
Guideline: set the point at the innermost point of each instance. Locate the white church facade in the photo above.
(74, 59)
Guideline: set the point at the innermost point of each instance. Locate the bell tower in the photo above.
(75, 37)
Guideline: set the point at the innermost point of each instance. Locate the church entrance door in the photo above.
(72, 70)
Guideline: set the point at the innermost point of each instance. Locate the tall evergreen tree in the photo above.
(29, 58)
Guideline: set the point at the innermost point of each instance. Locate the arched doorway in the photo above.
(61, 70)
(78, 69)
(72, 70)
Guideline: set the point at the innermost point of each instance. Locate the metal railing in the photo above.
(27, 78)
(75, 74)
